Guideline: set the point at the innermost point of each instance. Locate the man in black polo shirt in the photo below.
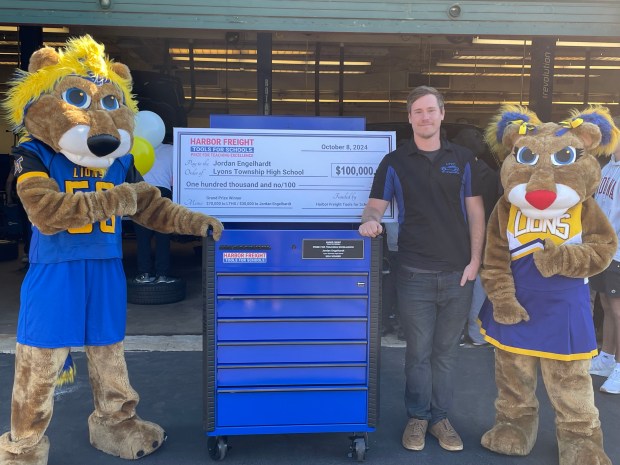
(441, 233)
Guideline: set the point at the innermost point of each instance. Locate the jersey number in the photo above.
(106, 226)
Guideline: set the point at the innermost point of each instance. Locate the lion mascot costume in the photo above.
(76, 179)
(546, 236)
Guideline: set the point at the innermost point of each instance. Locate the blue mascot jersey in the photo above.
(97, 240)
(560, 325)
(74, 293)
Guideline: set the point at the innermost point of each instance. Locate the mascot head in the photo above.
(75, 100)
(551, 167)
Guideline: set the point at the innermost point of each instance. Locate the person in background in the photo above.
(389, 307)
(160, 175)
(607, 283)
(441, 221)
(13, 199)
(473, 139)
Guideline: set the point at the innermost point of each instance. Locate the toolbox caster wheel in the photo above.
(358, 448)
(218, 446)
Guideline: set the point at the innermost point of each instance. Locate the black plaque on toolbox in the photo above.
(335, 249)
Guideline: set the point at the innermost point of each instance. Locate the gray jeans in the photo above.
(433, 308)
(478, 298)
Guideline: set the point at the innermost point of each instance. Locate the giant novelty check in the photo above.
(258, 175)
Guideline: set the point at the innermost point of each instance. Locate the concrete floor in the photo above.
(168, 377)
(170, 385)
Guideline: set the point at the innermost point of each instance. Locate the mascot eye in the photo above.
(76, 97)
(110, 102)
(566, 156)
(526, 157)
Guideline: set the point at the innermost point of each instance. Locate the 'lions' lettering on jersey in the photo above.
(526, 235)
(82, 172)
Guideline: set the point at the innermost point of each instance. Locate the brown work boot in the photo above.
(414, 434)
(448, 438)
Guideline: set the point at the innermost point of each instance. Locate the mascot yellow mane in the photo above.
(76, 101)
(82, 56)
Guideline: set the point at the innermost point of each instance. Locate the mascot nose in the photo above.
(103, 144)
(541, 199)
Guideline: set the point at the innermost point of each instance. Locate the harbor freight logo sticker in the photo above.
(244, 257)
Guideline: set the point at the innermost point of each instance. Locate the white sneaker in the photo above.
(602, 366)
(612, 385)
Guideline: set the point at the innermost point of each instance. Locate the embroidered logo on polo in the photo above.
(450, 168)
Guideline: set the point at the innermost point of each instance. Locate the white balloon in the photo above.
(151, 127)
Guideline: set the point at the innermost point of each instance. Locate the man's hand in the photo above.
(371, 228)
(372, 214)
(470, 272)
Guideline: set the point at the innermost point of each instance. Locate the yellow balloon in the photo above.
(143, 155)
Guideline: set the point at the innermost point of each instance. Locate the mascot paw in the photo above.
(582, 450)
(130, 439)
(510, 313)
(125, 197)
(36, 455)
(215, 224)
(508, 439)
(548, 261)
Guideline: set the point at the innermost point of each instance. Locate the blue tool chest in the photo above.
(291, 334)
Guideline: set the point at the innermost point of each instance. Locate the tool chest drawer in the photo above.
(291, 374)
(288, 329)
(291, 283)
(243, 306)
(289, 352)
(310, 406)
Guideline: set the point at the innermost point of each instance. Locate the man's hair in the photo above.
(420, 92)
